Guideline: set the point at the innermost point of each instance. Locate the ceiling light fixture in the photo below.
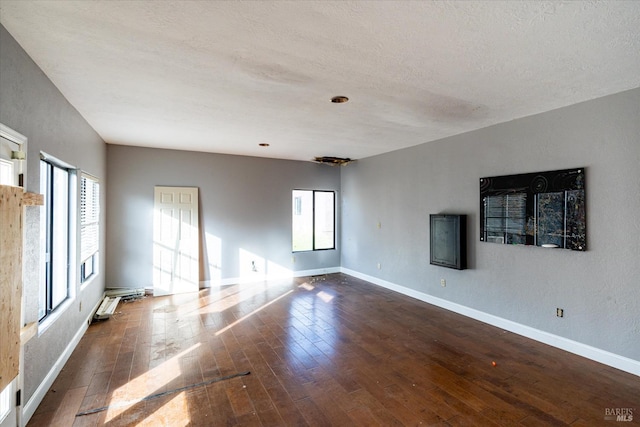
(339, 99)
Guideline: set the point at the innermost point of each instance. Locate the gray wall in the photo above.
(599, 289)
(245, 204)
(32, 105)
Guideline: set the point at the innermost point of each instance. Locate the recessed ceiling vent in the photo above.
(333, 161)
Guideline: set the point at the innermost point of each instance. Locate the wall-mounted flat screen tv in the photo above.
(448, 236)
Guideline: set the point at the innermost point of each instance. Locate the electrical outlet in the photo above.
(379, 225)
(559, 312)
(443, 282)
(379, 266)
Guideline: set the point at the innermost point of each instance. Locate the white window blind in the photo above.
(89, 216)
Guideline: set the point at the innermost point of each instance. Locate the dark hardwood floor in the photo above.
(321, 351)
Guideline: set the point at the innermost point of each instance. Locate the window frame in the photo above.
(89, 262)
(297, 209)
(48, 304)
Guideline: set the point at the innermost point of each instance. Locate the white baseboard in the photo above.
(584, 350)
(261, 277)
(30, 407)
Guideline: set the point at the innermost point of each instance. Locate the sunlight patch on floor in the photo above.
(151, 382)
(174, 413)
(226, 328)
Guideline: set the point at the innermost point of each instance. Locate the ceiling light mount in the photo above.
(18, 155)
(339, 99)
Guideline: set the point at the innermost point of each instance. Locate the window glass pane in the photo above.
(302, 220)
(60, 236)
(324, 220)
(87, 268)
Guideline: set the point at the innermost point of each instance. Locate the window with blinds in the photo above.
(89, 225)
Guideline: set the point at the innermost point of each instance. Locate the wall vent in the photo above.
(333, 161)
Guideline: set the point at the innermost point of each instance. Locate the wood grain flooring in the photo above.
(322, 351)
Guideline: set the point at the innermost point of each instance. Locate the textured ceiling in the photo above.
(226, 76)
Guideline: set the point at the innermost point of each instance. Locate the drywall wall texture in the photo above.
(31, 105)
(245, 213)
(598, 289)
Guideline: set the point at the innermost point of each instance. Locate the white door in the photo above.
(176, 263)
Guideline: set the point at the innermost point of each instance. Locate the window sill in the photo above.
(312, 250)
(53, 316)
(89, 280)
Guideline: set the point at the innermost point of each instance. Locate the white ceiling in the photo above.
(225, 76)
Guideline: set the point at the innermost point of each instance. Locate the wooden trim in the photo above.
(33, 199)
(28, 331)
(11, 241)
(12, 336)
